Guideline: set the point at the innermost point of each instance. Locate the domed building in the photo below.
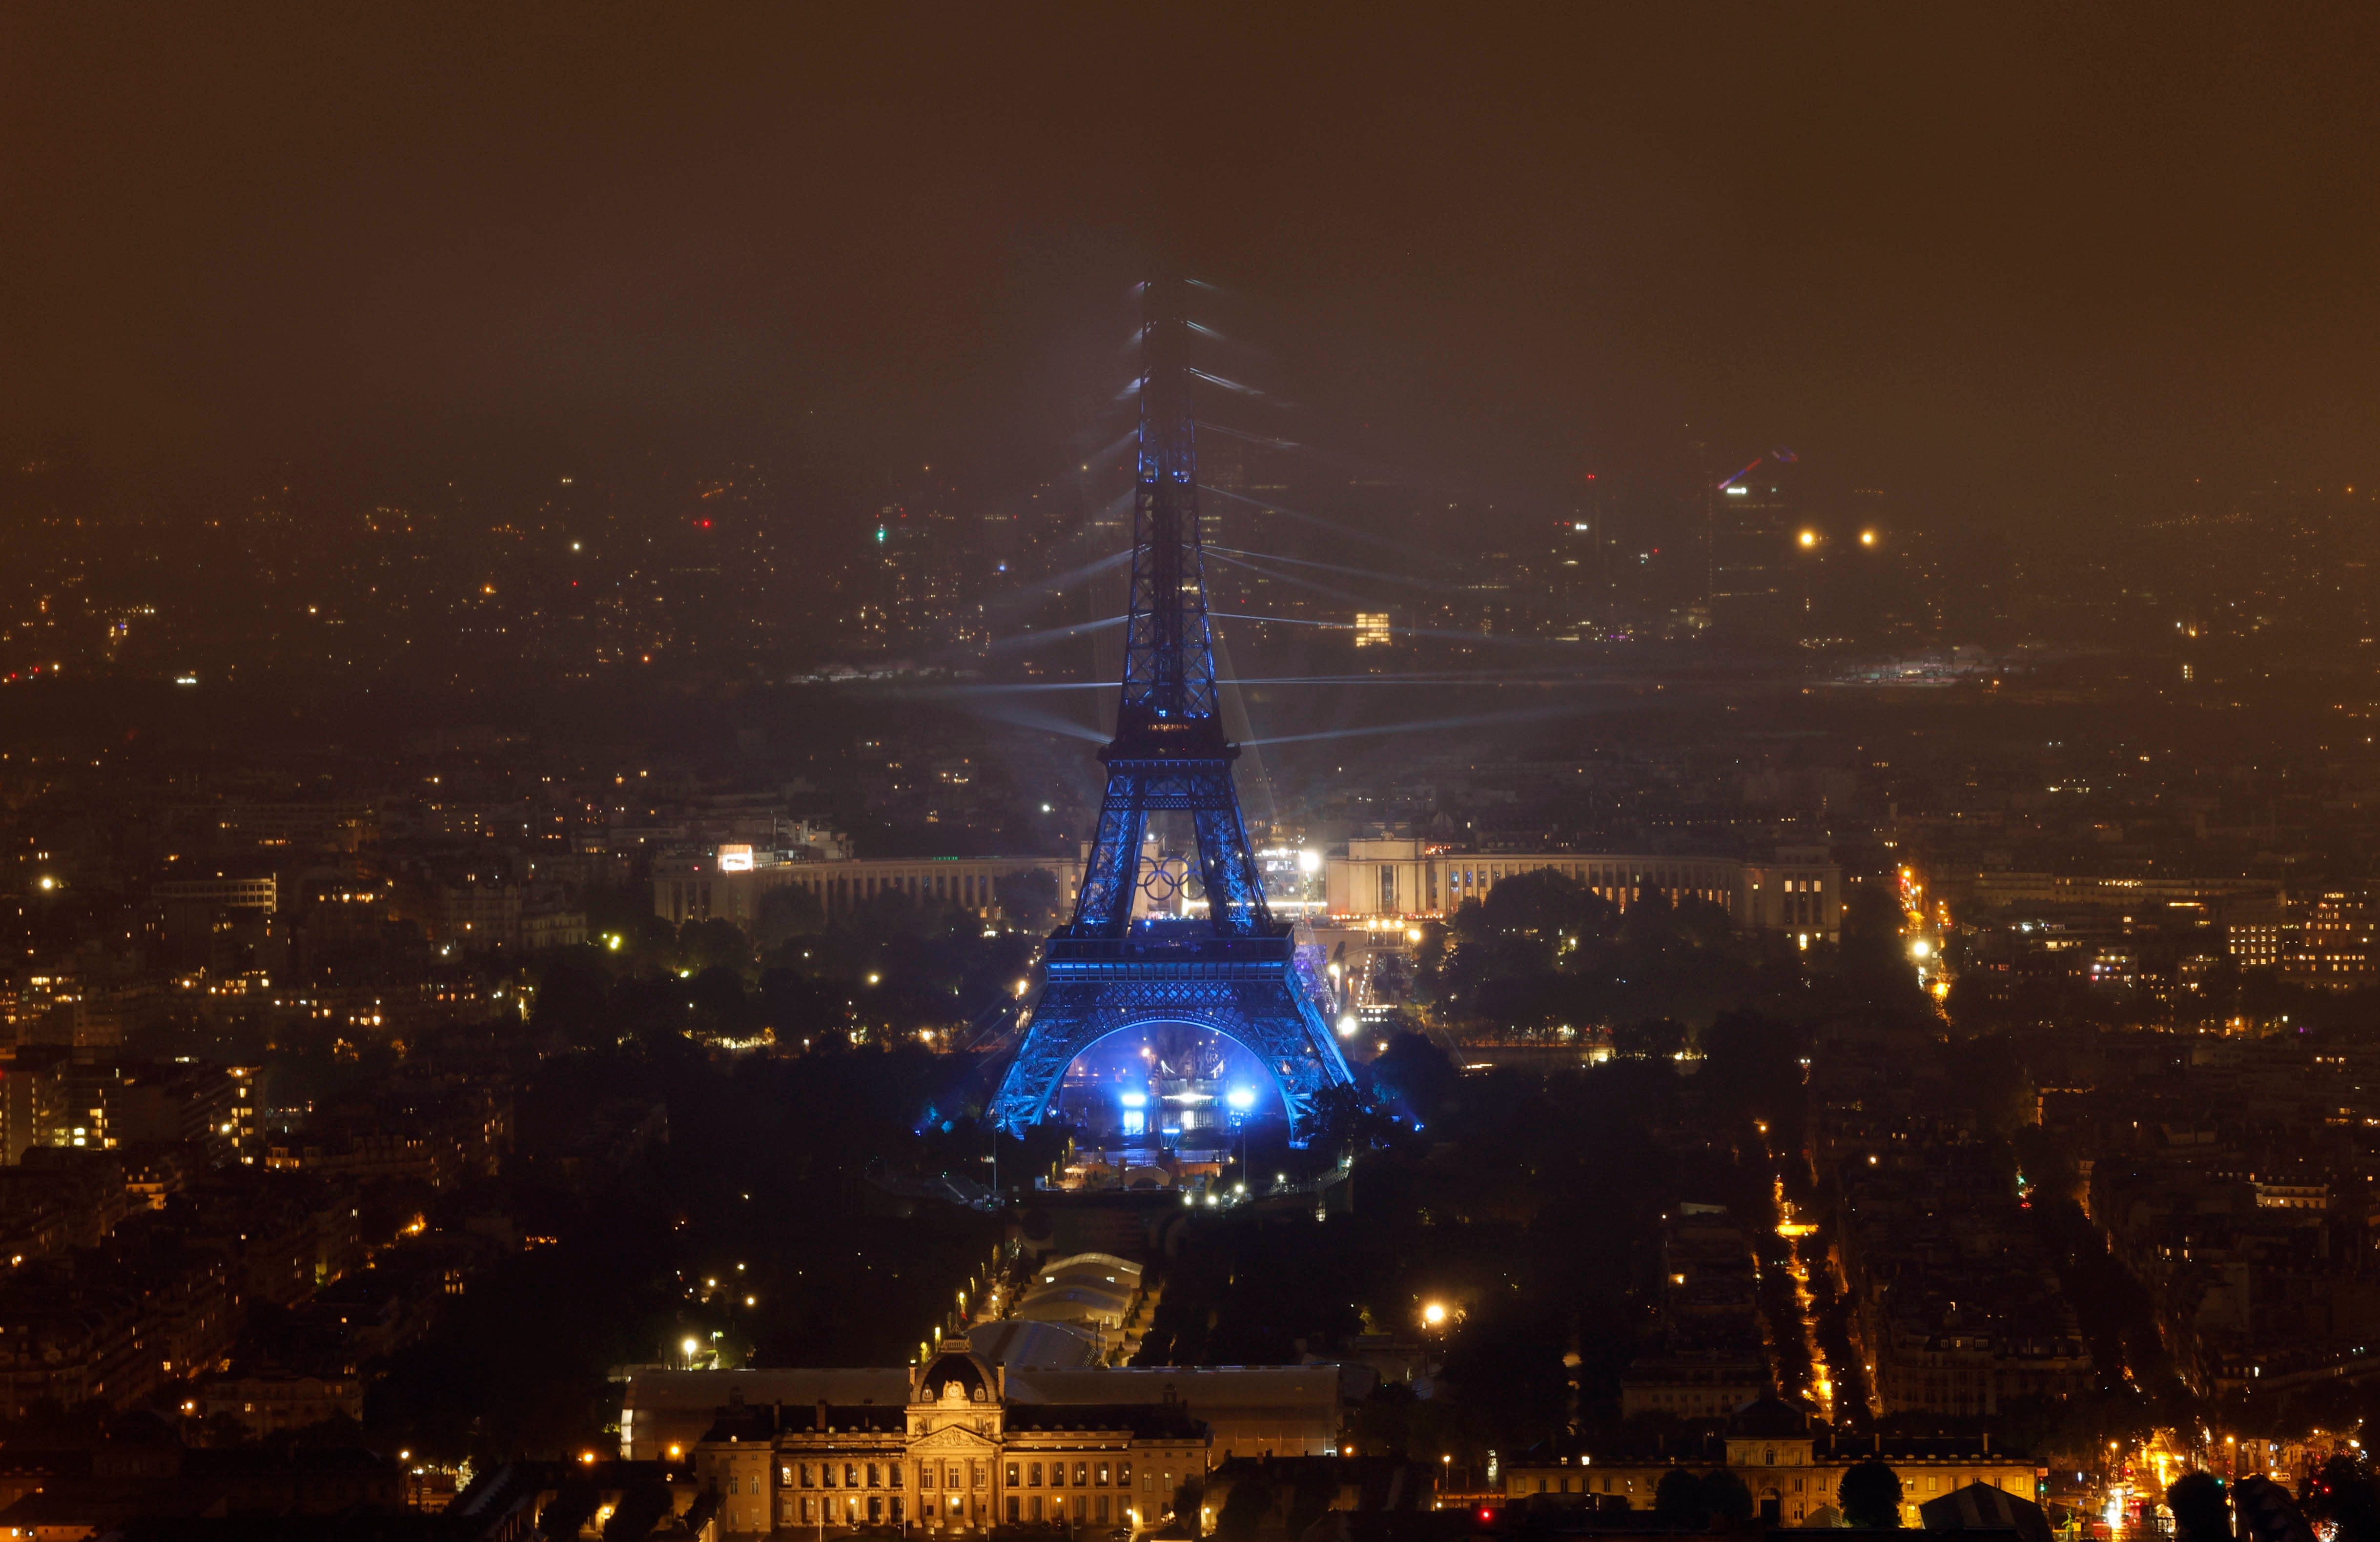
(960, 1458)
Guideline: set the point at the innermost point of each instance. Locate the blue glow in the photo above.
(1242, 1099)
(1134, 1100)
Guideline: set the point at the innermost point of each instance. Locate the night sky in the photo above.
(1998, 255)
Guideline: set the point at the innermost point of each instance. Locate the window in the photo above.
(896, 1501)
(893, 1472)
(851, 1474)
(731, 1483)
(809, 1475)
(1057, 1475)
(951, 1475)
(1034, 1478)
(1103, 1478)
(1082, 1476)
(1016, 1508)
(1011, 1482)
(1103, 1509)
(1037, 1506)
(975, 1475)
(809, 1509)
(826, 1474)
(875, 1507)
(875, 1476)
(926, 1476)
(785, 1478)
(1772, 1459)
(1124, 1474)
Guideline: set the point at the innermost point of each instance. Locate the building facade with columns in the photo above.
(958, 1459)
(729, 884)
(1792, 1465)
(1799, 889)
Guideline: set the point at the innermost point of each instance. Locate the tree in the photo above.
(1654, 1039)
(1343, 1119)
(2341, 1493)
(2201, 1512)
(1415, 1076)
(1870, 1495)
(786, 914)
(1247, 1505)
(1727, 1495)
(571, 997)
(1028, 900)
(1753, 1062)
(714, 944)
(1681, 1498)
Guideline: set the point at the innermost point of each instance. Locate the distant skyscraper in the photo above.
(1751, 540)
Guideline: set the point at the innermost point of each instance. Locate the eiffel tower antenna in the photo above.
(1234, 972)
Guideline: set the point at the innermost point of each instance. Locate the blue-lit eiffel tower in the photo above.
(1234, 972)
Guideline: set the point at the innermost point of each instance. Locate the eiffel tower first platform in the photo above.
(1235, 972)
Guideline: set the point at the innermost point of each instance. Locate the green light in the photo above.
(880, 533)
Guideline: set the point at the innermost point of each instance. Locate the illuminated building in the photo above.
(960, 1456)
(1372, 629)
(478, 912)
(690, 890)
(1792, 1469)
(2337, 951)
(1752, 540)
(1798, 892)
(2259, 934)
(194, 907)
(1243, 1410)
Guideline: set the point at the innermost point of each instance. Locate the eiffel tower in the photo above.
(1234, 972)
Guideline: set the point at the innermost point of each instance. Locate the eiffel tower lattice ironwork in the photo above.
(1235, 972)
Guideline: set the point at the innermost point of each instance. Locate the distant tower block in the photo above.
(1234, 972)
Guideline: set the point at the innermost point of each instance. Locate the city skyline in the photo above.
(1285, 776)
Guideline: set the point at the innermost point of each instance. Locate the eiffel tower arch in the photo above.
(1235, 972)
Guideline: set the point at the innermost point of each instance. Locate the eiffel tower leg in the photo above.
(1104, 906)
(1235, 898)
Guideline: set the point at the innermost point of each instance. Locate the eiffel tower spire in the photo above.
(1169, 669)
(1168, 751)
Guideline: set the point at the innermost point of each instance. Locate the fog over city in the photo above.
(1314, 774)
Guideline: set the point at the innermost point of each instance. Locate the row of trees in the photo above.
(889, 964)
(1869, 1495)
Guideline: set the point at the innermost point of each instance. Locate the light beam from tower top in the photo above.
(1168, 706)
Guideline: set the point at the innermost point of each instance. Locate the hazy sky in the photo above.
(2006, 250)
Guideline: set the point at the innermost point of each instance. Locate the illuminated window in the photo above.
(1372, 629)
